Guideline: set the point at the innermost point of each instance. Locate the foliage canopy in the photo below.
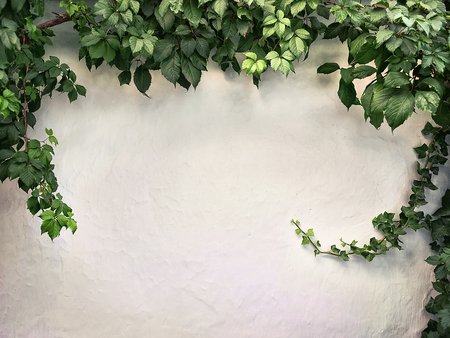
(401, 49)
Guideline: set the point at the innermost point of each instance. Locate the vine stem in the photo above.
(54, 22)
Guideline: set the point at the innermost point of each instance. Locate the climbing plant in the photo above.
(400, 49)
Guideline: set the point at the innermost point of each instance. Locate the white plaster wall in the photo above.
(183, 203)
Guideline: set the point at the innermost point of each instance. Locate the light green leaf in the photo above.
(427, 101)
(136, 44)
(297, 46)
(275, 63)
(220, 6)
(251, 55)
(271, 55)
(297, 7)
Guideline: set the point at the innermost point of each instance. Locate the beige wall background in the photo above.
(184, 202)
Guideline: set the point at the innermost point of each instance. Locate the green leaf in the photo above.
(433, 260)
(191, 73)
(166, 21)
(271, 55)
(183, 30)
(328, 68)
(33, 205)
(188, 45)
(347, 93)
(80, 90)
(17, 5)
(297, 46)
(427, 101)
(9, 38)
(171, 68)
(229, 28)
(437, 85)
(98, 50)
(202, 47)
(362, 72)
(399, 108)
(444, 210)
(136, 44)
(297, 7)
(46, 215)
(192, 12)
(383, 36)
(125, 77)
(393, 43)
(163, 49)
(444, 316)
(142, 79)
(220, 6)
(90, 40)
(52, 227)
(72, 224)
(396, 79)
(421, 151)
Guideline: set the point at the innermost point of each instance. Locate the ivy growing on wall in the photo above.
(400, 48)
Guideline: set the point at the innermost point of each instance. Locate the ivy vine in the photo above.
(401, 49)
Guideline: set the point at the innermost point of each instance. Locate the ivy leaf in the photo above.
(399, 108)
(444, 210)
(347, 93)
(142, 79)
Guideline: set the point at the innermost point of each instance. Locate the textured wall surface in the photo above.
(183, 203)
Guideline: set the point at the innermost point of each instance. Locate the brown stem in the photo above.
(59, 20)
